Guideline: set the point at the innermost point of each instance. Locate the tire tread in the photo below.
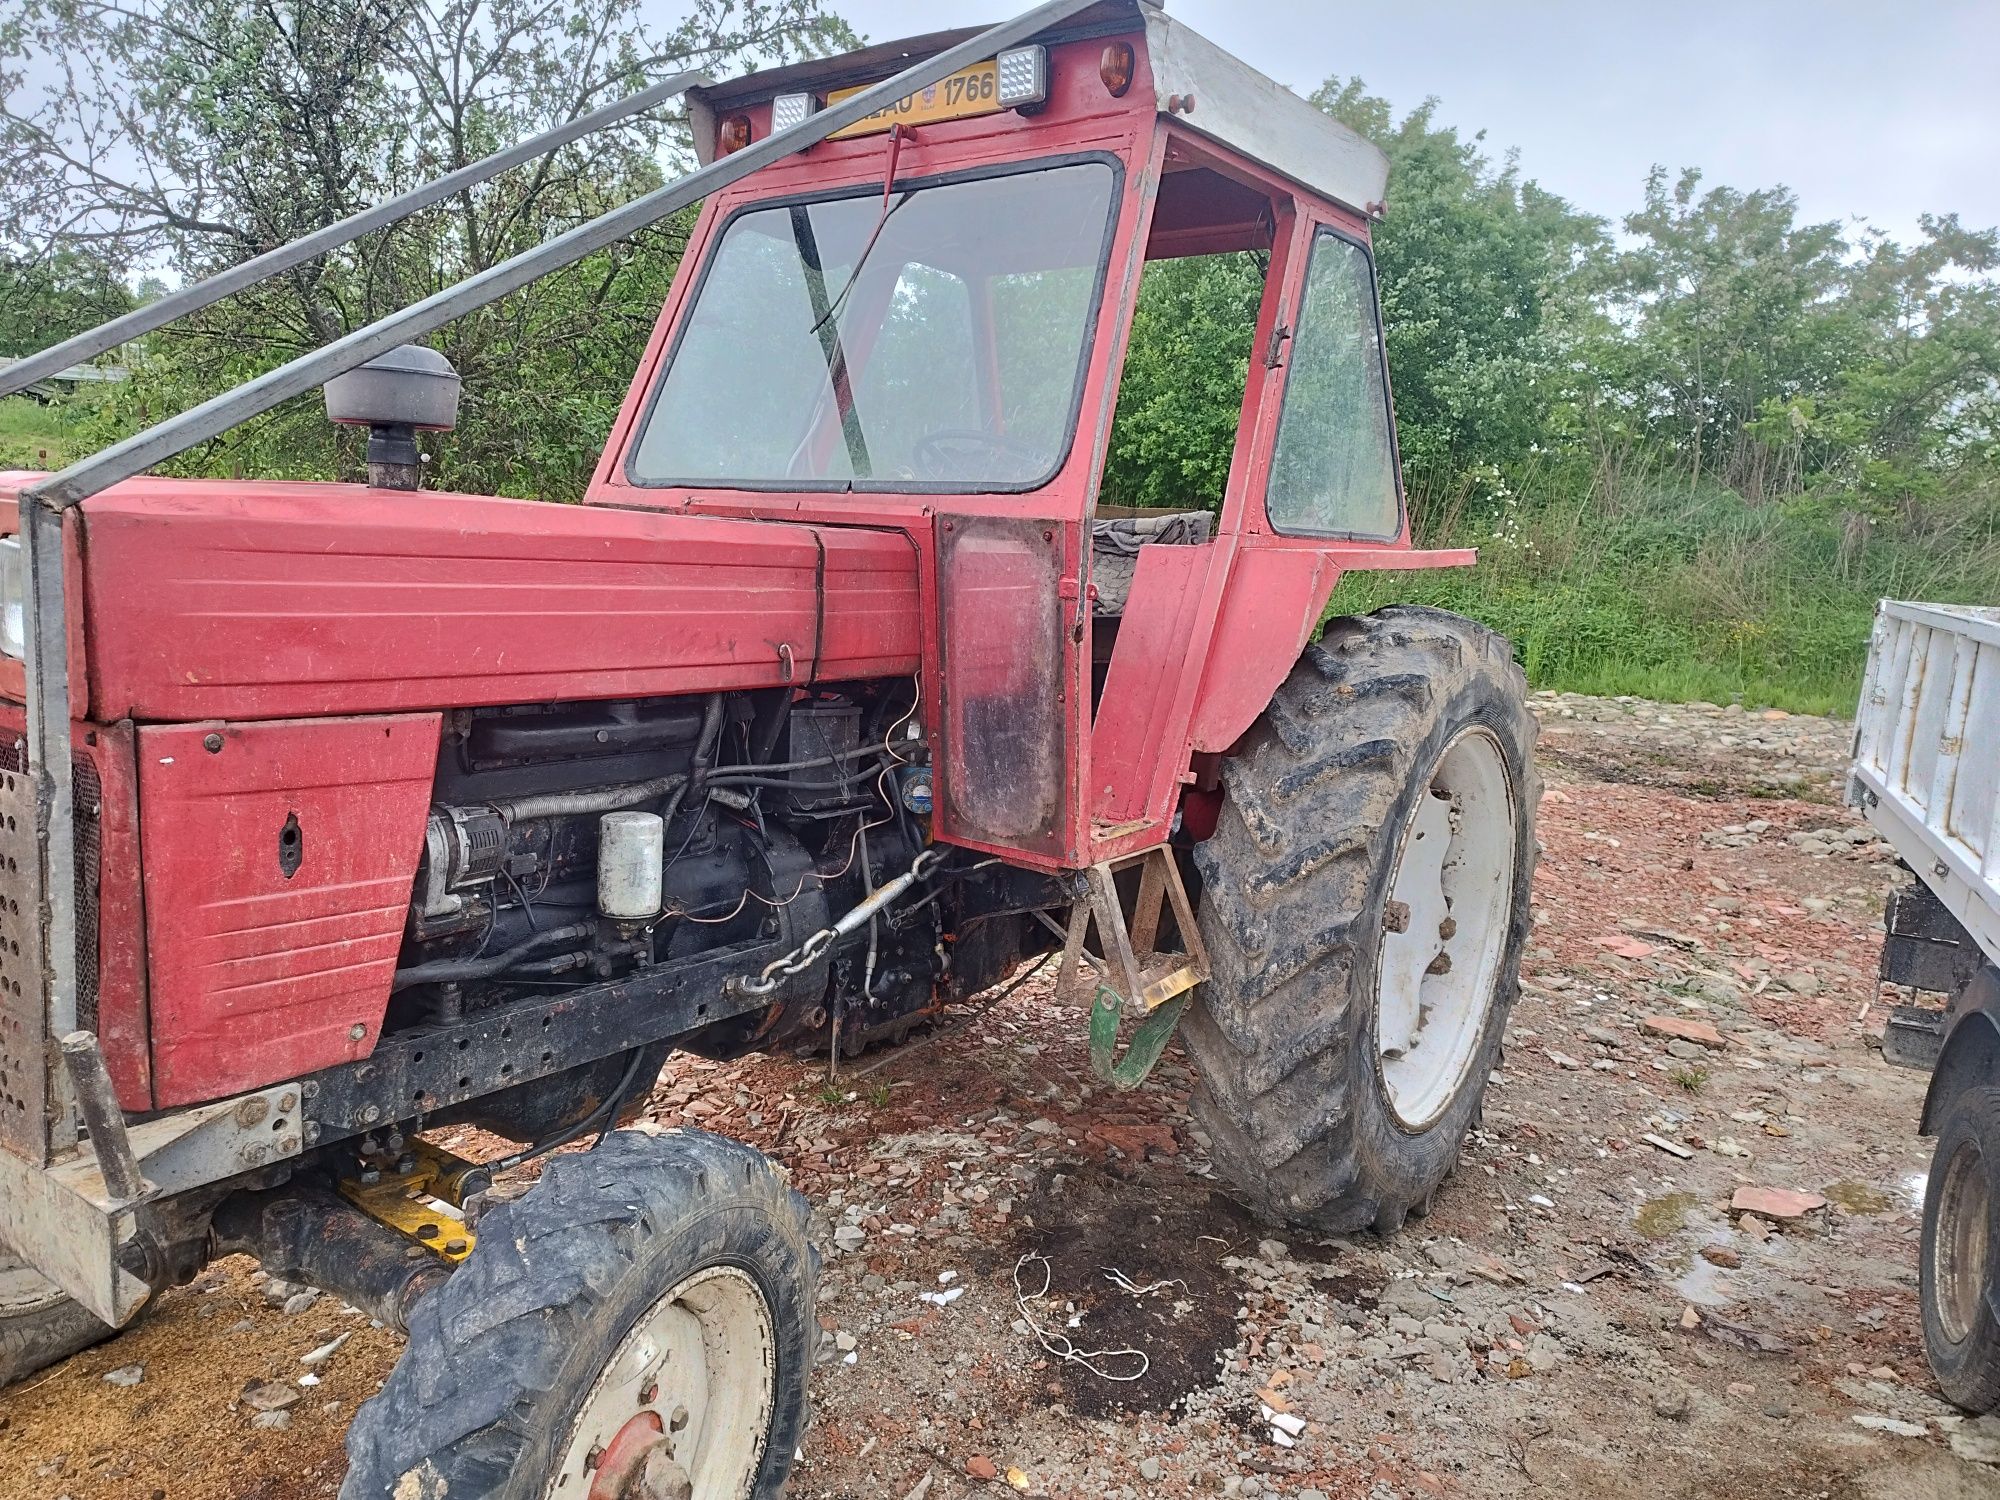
(1286, 883)
(487, 1349)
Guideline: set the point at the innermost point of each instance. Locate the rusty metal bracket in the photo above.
(1134, 980)
(420, 1193)
(73, 1224)
(1131, 968)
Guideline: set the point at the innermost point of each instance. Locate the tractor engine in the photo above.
(576, 844)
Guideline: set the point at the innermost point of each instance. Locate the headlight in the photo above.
(13, 598)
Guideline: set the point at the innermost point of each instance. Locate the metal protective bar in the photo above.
(155, 315)
(212, 418)
(50, 777)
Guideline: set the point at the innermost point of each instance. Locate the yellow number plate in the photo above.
(976, 91)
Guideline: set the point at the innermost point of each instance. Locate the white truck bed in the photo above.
(1927, 753)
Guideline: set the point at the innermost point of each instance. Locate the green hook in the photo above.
(1148, 1042)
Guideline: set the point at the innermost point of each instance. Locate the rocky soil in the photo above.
(1677, 1260)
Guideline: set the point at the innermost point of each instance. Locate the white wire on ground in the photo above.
(1125, 1283)
(1059, 1344)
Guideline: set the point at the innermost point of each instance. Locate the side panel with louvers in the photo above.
(110, 957)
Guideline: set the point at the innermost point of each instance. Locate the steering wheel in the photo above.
(933, 454)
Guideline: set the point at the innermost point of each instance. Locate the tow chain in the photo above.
(815, 948)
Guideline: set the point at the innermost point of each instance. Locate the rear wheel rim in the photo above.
(1451, 899)
(1960, 1247)
(699, 1368)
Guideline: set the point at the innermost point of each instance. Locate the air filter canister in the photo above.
(631, 865)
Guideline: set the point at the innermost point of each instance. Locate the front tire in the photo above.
(640, 1322)
(1959, 1276)
(1365, 900)
(40, 1325)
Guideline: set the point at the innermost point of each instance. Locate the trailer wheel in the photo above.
(40, 1324)
(1959, 1276)
(638, 1326)
(1364, 902)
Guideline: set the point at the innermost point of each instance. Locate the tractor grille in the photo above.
(23, 1024)
(87, 797)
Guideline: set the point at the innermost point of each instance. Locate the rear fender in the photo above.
(1971, 1055)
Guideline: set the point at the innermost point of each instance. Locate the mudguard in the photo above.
(1971, 1055)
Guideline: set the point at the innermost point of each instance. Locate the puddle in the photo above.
(1705, 1285)
(1858, 1197)
(1660, 1218)
(1915, 1187)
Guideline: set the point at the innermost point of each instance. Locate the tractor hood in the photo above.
(203, 600)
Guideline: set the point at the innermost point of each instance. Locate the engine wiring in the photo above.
(711, 781)
(862, 826)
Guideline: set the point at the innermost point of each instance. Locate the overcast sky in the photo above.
(1872, 109)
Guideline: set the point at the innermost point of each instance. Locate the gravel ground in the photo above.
(1035, 1284)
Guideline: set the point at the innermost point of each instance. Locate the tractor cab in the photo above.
(919, 324)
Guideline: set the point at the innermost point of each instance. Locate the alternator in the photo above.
(464, 848)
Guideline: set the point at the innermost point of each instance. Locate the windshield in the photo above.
(935, 341)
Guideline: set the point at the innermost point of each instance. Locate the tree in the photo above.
(1475, 264)
(1182, 392)
(1921, 407)
(45, 301)
(1723, 303)
(193, 134)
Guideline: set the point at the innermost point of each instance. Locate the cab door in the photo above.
(1011, 628)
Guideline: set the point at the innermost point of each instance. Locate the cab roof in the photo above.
(1237, 106)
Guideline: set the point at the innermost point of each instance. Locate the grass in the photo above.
(1661, 591)
(1692, 1080)
(33, 436)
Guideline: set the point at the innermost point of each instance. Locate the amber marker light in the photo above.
(1117, 67)
(734, 135)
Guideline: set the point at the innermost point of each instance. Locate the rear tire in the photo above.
(40, 1325)
(649, 1275)
(1327, 1106)
(1959, 1276)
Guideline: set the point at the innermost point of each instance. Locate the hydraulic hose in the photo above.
(464, 970)
(704, 757)
(602, 799)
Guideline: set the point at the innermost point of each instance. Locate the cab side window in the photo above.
(1334, 471)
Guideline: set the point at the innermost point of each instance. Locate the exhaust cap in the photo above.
(396, 395)
(410, 386)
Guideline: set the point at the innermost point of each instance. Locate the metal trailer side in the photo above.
(1926, 774)
(1927, 753)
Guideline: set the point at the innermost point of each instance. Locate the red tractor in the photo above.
(335, 814)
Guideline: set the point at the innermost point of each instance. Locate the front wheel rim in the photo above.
(1959, 1250)
(1446, 929)
(684, 1404)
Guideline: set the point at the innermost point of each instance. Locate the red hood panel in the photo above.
(210, 601)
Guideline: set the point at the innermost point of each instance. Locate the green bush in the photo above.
(1665, 590)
